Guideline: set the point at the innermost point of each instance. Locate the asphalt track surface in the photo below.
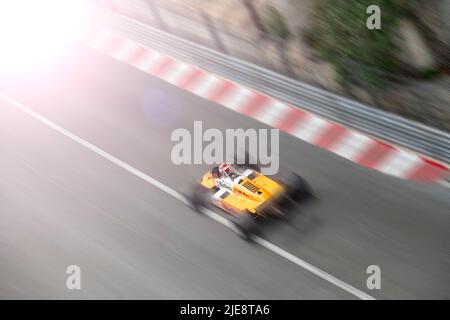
(62, 204)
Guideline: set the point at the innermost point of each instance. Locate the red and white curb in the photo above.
(350, 144)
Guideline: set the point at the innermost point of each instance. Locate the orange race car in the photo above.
(246, 194)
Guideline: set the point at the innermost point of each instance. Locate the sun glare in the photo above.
(34, 32)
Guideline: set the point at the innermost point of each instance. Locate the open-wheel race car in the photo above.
(246, 195)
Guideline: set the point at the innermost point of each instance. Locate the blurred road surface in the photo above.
(61, 204)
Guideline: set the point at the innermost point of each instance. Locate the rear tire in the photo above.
(248, 162)
(298, 188)
(245, 226)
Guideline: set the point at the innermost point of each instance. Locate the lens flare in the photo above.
(36, 32)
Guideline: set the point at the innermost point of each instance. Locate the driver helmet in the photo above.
(225, 168)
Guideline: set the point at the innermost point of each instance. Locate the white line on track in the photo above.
(264, 243)
(444, 183)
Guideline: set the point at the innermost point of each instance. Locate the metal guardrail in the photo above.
(380, 124)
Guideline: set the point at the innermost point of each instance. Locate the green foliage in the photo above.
(276, 24)
(429, 73)
(359, 55)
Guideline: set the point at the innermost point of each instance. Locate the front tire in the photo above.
(195, 198)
